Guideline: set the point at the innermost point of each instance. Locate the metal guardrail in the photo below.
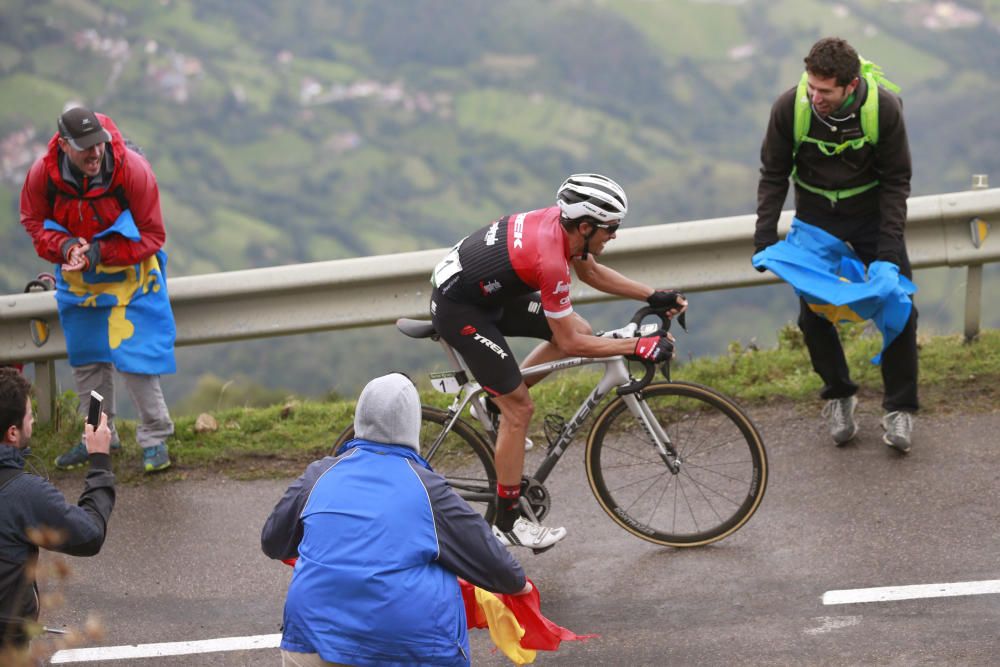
(321, 296)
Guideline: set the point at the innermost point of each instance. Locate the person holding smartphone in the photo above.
(29, 504)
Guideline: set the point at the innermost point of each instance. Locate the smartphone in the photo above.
(96, 406)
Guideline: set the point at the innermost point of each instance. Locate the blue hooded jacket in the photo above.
(380, 538)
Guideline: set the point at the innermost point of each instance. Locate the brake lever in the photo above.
(682, 320)
(640, 384)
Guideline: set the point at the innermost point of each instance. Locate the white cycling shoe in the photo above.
(528, 534)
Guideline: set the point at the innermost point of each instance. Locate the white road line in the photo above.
(103, 653)
(887, 593)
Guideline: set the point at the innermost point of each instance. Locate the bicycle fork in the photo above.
(654, 430)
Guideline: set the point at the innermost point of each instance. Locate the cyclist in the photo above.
(512, 278)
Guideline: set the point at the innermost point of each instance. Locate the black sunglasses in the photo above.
(609, 228)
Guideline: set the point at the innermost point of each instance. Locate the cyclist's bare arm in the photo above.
(568, 338)
(609, 281)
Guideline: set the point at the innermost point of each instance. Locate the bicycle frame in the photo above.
(616, 375)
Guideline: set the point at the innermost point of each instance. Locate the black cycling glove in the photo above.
(664, 300)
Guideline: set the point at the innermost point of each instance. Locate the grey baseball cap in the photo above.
(81, 129)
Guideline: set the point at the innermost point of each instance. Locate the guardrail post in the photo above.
(45, 390)
(974, 276)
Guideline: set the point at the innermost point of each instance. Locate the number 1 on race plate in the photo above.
(446, 383)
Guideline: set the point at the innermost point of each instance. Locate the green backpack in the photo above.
(872, 74)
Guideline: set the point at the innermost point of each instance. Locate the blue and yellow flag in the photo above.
(825, 272)
(118, 314)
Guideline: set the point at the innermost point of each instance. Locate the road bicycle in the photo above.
(673, 463)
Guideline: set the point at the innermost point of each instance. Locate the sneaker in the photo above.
(839, 413)
(898, 426)
(155, 458)
(532, 535)
(77, 455)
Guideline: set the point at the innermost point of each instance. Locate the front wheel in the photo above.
(463, 458)
(706, 489)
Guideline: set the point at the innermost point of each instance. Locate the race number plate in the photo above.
(446, 383)
(447, 267)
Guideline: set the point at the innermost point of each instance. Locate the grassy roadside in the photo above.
(280, 440)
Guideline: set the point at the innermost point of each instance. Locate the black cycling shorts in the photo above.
(477, 334)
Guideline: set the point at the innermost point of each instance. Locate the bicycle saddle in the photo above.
(416, 328)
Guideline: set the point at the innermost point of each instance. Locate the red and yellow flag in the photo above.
(515, 622)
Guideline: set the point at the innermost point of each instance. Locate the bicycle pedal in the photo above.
(553, 427)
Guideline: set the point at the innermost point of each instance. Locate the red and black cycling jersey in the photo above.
(516, 255)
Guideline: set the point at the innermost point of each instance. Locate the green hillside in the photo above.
(286, 132)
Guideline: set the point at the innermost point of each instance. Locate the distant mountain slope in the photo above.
(294, 132)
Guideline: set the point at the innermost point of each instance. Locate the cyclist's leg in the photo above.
(474, 333)
(516, 408)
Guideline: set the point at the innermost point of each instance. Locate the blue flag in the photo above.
(118, 314)
(830, 277)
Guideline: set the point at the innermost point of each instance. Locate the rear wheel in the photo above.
(721, 475)
(463, 458)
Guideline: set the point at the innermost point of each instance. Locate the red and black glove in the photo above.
(654, 349)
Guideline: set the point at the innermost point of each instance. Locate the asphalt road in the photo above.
(182, 562)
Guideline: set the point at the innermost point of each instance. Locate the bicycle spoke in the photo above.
(719, 481)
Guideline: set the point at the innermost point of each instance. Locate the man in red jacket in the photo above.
(92, 206)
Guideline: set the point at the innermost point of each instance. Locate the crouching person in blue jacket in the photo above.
(380, 539)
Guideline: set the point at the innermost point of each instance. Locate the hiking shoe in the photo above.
(839, 413)
(532, 535)
(155, 458)
(898, 426)
(77, 455)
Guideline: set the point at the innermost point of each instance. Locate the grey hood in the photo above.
(388, 412)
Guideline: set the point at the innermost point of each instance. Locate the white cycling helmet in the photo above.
(592, 196)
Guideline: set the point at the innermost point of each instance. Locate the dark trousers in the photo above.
(899, 361)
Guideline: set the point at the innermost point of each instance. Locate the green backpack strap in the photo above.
(872, 74)
(803, 113)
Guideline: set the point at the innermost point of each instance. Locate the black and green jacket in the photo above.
(887, 162)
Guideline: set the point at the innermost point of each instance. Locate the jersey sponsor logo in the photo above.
(491, 233)
(489, 287)
(519, 231)
(491, 345)
(561, 288)
(468, 330)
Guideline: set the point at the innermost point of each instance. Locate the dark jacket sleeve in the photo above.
(466, 544)
(775, 169)
(283, 530)
(82, 527)
(143, 195)
(894, 168)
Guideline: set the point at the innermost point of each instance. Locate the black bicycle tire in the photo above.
(485, 499)
(756, 485)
